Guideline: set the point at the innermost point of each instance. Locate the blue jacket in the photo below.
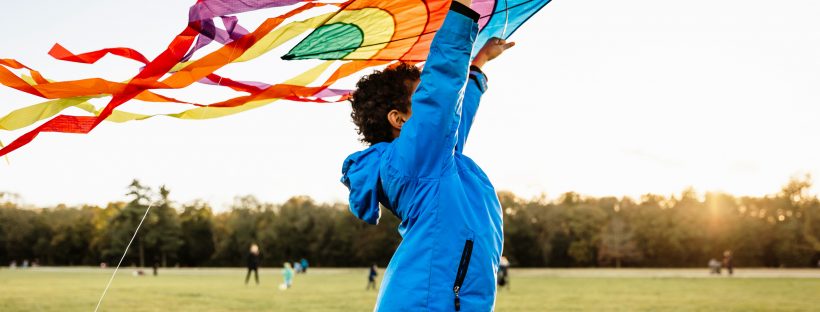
(451, 223)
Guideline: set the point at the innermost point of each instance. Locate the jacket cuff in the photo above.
(464, 10)
(476, 69)
(479, 78)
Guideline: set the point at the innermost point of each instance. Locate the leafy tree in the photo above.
(197, 228)
(617, 244)
(71, 232)
(124, 223)
(162, 232)
(236, 230)
(18, 233)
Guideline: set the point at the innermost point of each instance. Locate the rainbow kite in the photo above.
(358, 34)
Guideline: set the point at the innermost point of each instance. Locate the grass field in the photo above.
(78, 289)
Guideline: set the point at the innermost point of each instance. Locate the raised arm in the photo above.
(477, 85)
(427, 141)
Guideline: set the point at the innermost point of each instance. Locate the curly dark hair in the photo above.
(376, 95)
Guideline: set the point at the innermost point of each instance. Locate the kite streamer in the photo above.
(358, 34)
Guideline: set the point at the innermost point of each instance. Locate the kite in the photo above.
(355, 35)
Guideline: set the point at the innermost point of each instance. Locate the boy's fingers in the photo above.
(508, 45)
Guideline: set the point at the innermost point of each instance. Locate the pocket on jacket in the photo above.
(463, 266)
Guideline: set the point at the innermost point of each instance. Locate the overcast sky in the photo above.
(600, 97)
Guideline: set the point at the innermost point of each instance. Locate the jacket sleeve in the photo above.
(476, 86)
(427, 141)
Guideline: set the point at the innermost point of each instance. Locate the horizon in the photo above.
(20, 199)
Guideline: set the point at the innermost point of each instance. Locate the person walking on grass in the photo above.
(287, 275)
(304, 263)
(416, 125)
(253, 264)
(727, 262)
(155, 265)
(504, 273)
(371, 277)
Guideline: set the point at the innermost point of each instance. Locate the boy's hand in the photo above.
(492, 49)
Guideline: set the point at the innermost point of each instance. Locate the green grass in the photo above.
(45, 289)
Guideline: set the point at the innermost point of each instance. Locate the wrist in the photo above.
(476, 69)
(479, 60)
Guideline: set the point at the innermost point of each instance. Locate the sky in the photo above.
(599, 97)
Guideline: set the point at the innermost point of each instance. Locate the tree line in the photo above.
(684, 230)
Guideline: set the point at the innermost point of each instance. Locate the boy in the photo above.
(371, 277)
(451, 223)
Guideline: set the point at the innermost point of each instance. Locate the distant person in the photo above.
(714, 266)
(371, 277)
(156, 265)
(25, 263)
(13, 264)
(503, 277)
(287, 275)
(103, 265)
(253, 264)
(727, 261)
(297, 267)
(304, 264)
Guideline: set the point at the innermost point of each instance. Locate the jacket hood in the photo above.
(360, 173)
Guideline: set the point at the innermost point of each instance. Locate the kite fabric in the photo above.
(358, 34)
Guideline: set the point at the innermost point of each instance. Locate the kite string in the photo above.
(506, 19)
(123, 257)
(219, 83)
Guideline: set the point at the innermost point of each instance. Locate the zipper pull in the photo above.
(457, 301)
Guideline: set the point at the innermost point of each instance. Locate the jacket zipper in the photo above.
(462, 271)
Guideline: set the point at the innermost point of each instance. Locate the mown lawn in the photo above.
(59, 289)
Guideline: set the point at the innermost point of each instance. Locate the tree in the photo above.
(617, 244)
(162, 234)
(796, 230)
(197, 228)
(71, 232)
(236, 230)
(124, 222)
(19, 232)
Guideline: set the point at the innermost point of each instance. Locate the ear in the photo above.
(396, 119)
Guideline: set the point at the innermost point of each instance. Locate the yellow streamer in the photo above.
(29, 115)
